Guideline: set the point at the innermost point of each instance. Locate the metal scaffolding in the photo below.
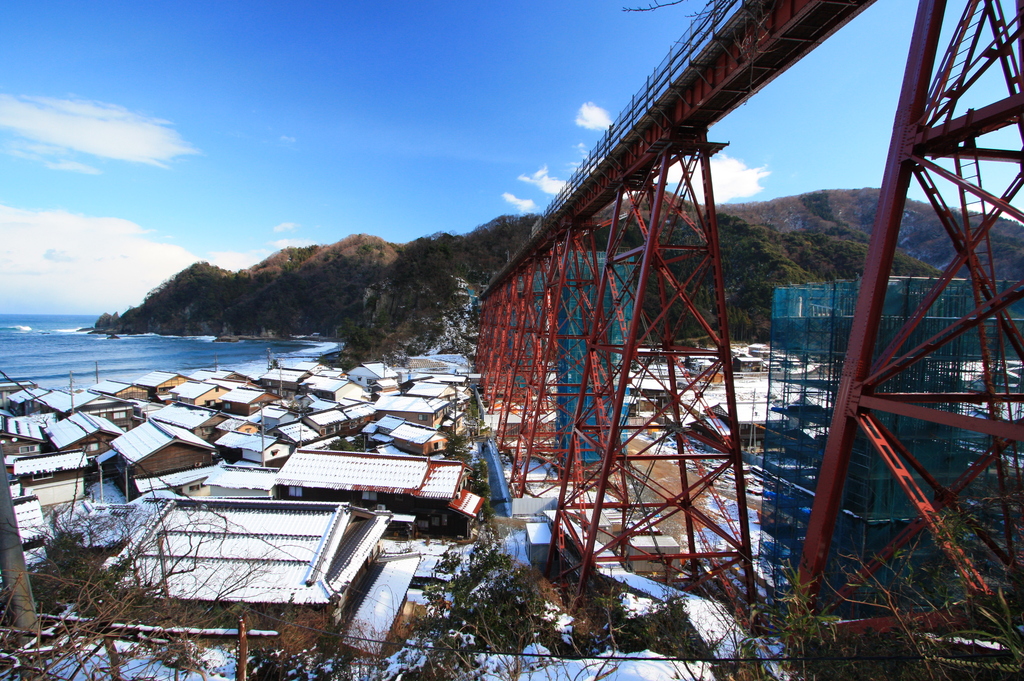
(810, 334)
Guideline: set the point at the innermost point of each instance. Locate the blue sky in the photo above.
(136, 138)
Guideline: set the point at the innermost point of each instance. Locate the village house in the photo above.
(743, 363)
(237, 424)
(158, 384)
(375, 377)
(246, 402)
(120, 390)
(92, 434)
(54, 478)
(200, 421)
(256, 447)
(272, 416)
(408, 437)
(429, 390)
(418, 410)
(8, 388)
(198, 394)
(340, 421)
(297, 434)
(60, 402)
(431, 489)
(334, 389)
(219, 480)
(249, 551)
(23, 402)
(22, 435)
(155, 448)
(283, 382)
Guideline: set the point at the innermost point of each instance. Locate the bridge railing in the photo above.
(701, 34)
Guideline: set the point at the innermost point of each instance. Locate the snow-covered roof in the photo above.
(155, 379)
(191, 390)
(109, 387)
(207, 374)
(243, 396)
(152, 436)
(171, 480)
(244, 477)
(28, 513)
(442, 480)
(434, 390)
(326, 383)
(221, 475)
(63, 401)
(286, 375)
(418, 435)
(468, 504)
(375, 370)
(26, 395)
(316, 403)
(323, 418)
(258, 551)
(297, 432)
(251, 441)
(384, 424)
(358, 471)
(415, 405)
(22, 428)
(387, 585)
(232, 424)
(51, 463)
(184, 415)
(387, 383)
(78, 426)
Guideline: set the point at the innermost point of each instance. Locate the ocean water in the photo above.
(45, 348)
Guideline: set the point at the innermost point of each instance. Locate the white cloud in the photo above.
(73, 166)
(732, 178)
(286, 227)
(98, 264)
(291, 243)
(547, 184)
(237, 260)
(62, 126)
(522, 205)
(593, 117)
(287, 140)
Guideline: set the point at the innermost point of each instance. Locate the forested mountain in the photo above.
(389, 300)
(382, 298)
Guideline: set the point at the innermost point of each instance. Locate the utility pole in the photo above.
(12, 559)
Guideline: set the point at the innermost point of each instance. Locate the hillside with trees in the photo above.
(389, 300)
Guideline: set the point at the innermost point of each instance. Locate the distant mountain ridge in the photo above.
(388, 300)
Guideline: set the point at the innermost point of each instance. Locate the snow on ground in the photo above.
(220, 665)
(515, 546)
(712, 620)
(642, 666)
(430, 552)
(108, 493)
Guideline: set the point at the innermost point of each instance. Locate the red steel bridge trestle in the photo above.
(621, 286)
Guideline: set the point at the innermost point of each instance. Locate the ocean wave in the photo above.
(16, 327)
(75, 330)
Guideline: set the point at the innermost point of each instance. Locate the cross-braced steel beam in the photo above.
(959, 134)
(656, 485)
